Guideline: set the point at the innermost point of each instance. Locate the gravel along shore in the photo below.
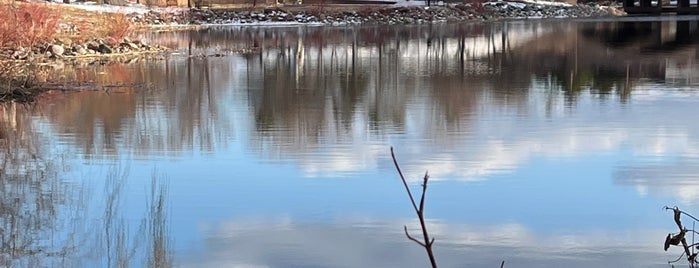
(415, 14)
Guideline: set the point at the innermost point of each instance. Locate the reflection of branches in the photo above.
(42, 219)
(114, 230)
(34, 202)
(158, 254)
(122, 247)
(427, 243)
(679, 238)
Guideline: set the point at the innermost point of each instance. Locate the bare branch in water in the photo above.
(411, 237)
(405, 183)
(427, 244)
(679, 238)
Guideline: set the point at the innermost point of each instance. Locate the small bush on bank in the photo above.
(27, 24)
(118, 26)
(23, 25)
(113, 25)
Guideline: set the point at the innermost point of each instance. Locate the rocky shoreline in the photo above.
(91, 50)
(105, 50)
(487, 11)
(19, 66)
(96, 49)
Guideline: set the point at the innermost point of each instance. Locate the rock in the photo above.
(79, 49)
(131, 45)
(20, 54)
(109, 41)
(56, 50)
(93, 45)
(116, 2)
(615, 11)
(104, 49)
(65, 41)
(142, 42)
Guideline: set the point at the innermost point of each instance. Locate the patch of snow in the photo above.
(521, 3)
(240, 24)
(128, 9)
(418, 3)
(94, 7)
(517, 5)
(547, 3)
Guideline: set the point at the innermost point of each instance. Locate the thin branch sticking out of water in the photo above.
(427, 242)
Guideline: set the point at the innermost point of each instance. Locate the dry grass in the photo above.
(27, 24)
(32, 24)
(94, 25)
(117, 26)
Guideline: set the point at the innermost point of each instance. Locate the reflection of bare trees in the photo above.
(165, 106)
(160, 246)
(119, 252)
(151, 244)
(44, 218)
(35, 204)
(325, 88)
(309, 85)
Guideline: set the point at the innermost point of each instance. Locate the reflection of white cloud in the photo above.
(498, 142)
(382, 244)
(485, 130)
(687, 193)
(642, 190)
(499, 156)
(340, 160)
(678, 179)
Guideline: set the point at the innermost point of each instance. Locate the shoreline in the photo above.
(164, 19)
(375, 15)
(109, 50)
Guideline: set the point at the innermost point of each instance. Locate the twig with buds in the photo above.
(427, 242)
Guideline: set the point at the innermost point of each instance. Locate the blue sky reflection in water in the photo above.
(548, 143)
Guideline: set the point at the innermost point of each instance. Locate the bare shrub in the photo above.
(117, 26)
(27, 24)
(112, 25)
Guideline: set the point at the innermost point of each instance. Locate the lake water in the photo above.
(548, 144)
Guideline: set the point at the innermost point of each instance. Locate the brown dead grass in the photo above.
(27, 24)
(94, 25)
(31, 24)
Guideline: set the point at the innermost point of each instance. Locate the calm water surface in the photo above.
(549, 144)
